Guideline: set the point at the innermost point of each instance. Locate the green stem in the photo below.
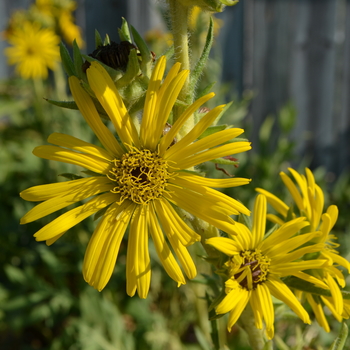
(255, 335)
(179, 20)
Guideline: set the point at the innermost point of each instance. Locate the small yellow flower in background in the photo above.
(34, 50)
(256, 265)
(138, 180)
(309, 200)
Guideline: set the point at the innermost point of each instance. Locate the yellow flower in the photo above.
(33, 50)
(257, 263)
(138, 180)
(309, 199)
(69, 29)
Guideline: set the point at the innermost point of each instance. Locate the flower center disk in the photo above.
(249, 269)
(141, 176)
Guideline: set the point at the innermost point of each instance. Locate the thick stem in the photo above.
(255, 335)
(179, 21)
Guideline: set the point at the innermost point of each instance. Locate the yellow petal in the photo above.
(217, 152)
(165, 255)
(224, 245)
(280, 291)
(59, 202)
(216, 183)
(164, 106)
(74, 216)
(275, 202)
(259, 220)
(93, 163)
(200, 127)
(102, 251)
(138, 251)
(79, 146)
(206, 143)
(293, 191)
(202, 208)
(90, 114)
(236, 312)
(231, 300)
(317, 308)
(169, 137)
(173, 224)
(265, 301)
(150, 107)
(44, 192)
(107, 94)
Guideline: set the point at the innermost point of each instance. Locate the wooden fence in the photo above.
(283, 50)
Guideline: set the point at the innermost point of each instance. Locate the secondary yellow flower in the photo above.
(257, 263)
(309, 199)
(138, 180)
(33, 50)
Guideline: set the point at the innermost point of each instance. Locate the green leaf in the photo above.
(196, 73)
(124, 33)
(339, 342)
(67, 62)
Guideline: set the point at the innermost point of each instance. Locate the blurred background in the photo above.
(285, 64)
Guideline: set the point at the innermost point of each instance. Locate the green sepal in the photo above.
(78, 61)
(98, 39)
(71, 176)
(124, 33)
(196, 73)
(63, 104)
(132, 70)
(212, 130)
(67, 62)
(146, 56)
(227, 106)
(224, 161)
(107, 40)
(339, 341)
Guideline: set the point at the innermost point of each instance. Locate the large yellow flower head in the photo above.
(308, 198)
(139, 180)
(34, 50)
(257, 263)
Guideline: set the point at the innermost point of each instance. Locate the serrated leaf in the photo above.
(67, 62)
